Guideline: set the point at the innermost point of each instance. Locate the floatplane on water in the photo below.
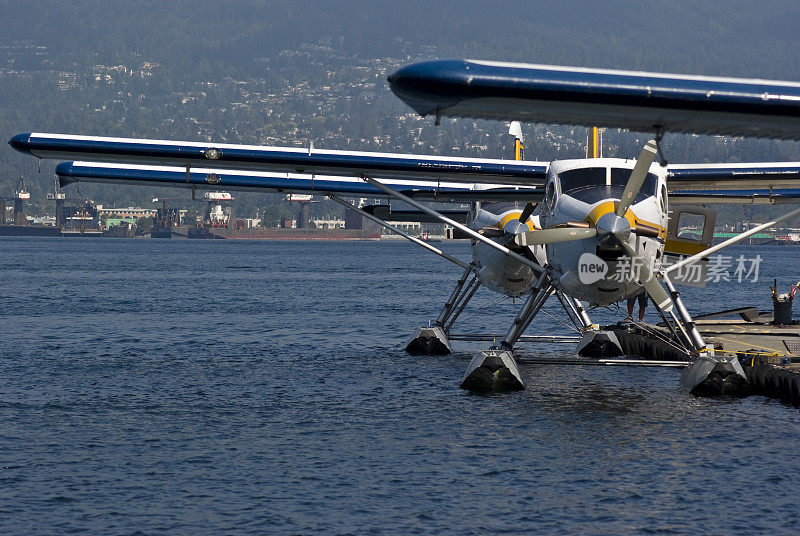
(538, 229)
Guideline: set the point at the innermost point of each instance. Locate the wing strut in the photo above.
(730, 241)
(444, 219)
(405, 235)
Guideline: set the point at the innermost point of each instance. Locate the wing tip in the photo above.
(21, 143)
(64, 169)
(419, 84)
(64, 172)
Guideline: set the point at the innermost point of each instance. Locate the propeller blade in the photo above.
(637, 177)
(551, 236)
(651, 285)
(526, 213)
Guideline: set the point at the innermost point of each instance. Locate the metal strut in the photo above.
(444, 219)
(708, 373)
(405, 235)
(544, 289)
(680, 336)
(686, 323)
(462, 302)
(433, 340)
(569, 308)
(729, 242)
(574, 306)
(582, 314)
(458, 300)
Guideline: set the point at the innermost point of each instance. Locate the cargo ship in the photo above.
(219, 223)
(29, 230)
(76, 219)
(167, 223)
(278, 233)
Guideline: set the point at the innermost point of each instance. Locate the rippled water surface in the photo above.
(192, 387)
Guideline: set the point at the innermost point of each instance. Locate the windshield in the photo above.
(573, 179)
(619, 177)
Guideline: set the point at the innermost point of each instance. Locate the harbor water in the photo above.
(245, 387)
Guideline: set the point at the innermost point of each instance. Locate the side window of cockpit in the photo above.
(690, 226)
(550, 195)
(664, 205)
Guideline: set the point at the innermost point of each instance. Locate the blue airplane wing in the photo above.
(280, 159)
(646, 102)
(734, 176)
(217, 179)
(756, 182)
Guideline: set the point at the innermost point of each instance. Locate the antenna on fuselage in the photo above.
(515, 129)
(594, 143)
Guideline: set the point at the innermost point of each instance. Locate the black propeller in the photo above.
(526, 212)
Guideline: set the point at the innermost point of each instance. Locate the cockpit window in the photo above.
(550, 196)
(619, 177)
(573, 179)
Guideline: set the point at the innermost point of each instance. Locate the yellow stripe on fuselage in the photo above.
(683, 247)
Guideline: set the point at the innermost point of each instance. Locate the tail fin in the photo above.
(515, 129)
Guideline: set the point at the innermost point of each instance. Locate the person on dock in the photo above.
(641, 296)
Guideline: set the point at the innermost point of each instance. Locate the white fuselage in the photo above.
(576, 191)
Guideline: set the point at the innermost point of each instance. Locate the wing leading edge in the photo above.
(639, 101)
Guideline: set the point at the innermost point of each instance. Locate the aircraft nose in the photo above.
(21, 143)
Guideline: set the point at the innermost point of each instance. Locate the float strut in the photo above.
(531, 308)
(582, 314)
(694, 335)
(451, 302)
(466, 297)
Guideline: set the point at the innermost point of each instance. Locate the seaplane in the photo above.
(538, 230)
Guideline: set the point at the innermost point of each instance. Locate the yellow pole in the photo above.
(593, 148)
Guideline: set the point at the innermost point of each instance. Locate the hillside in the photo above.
(284, 73)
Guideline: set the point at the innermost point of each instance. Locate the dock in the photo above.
(757, 337)
(769, 353)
